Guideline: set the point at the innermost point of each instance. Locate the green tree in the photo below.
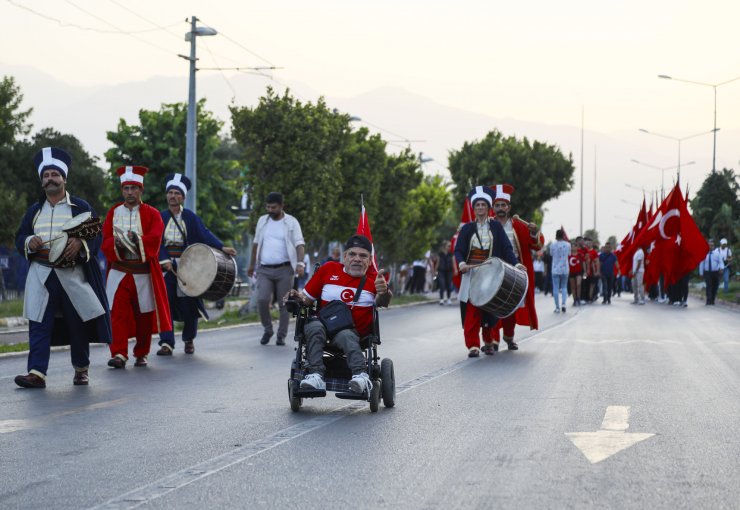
(158, 142)
(539, 172)
(426, 208)
(296, 149)
(716, 206)
(13, 121)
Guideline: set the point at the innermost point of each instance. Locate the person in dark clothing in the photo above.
(444, 272)
(608, 264)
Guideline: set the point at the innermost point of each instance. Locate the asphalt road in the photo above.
(657, 388)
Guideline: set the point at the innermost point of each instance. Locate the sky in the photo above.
(536, 61)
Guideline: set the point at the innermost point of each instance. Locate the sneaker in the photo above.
(473, 352)
(641, 303)
(141, 361)
(684, 304)
(266, 338)
(280, 341)
(165, 350)
(562, 309)
(441, 302)
(557, 310)
(488, 349)
(360, 383)
(313, 381)
(449, 302)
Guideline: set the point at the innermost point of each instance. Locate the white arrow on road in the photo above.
(612, 438)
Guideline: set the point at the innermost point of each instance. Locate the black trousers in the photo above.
(608, 283)
(712, 279)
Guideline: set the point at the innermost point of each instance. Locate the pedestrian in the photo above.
(575, 273)
(539, 272)
(74, 289)
(182, 228)
(335, 256)
(726, 254)
(559, 252)
(418, 275)
(638, 274)
(132, 236)
(277, 255)
(478, 241)
(547, 258)
(607, 264)
(711, 267)
(444, 272)
(300, 281)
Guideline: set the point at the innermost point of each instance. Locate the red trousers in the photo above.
(508, 324)
(127, 321)
(472, 328)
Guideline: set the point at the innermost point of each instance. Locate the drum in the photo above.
(205, 272)
(56, 249)
(83, 226)
(497, 287)
(76, 221)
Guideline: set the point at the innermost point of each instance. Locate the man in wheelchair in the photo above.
(339, 281)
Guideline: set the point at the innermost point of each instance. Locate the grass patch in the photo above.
(409, 298)
(12, 308)
(23, 346)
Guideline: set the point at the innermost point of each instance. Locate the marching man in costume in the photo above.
(76, 290)
(182, 228)
(132, 234)
(479, 240)
(524, 237)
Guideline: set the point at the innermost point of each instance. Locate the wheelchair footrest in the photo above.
(347, 395)
(309, 393)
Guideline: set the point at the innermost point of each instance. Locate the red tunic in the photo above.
(149, 241)
(527, 315)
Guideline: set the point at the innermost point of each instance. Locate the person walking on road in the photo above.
(277, 256)
(711, 267)
(444, 272)
(638, 273)
(607, 264)
(559, 252)
(74, 289)
(726, 254)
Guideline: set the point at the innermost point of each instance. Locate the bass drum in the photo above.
(497, 287)
(205, 272)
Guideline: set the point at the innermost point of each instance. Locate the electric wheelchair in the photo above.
(338, 374)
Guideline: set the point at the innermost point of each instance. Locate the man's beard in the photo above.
(274, 216)
(501, 214)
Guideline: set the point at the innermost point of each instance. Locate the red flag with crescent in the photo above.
(363, 228)
(625, 250)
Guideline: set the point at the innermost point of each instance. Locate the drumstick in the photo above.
(184, 283)
(52, 239)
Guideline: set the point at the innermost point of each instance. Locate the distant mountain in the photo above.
(88, 112)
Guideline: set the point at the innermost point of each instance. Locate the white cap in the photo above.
(723, 241)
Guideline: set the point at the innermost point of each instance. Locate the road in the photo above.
(605, 407)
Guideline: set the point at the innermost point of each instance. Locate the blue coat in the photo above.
(196, 232)
(99, 329)
(501, 245)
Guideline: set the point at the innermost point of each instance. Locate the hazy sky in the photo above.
(536, 60)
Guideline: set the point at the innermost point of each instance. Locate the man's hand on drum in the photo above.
(166, 267)
(35, 243)
(229, 251)
(464, 268)
(73, 248)
(133, 237)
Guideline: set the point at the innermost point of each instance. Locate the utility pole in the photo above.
(192, 129)
(583, 113)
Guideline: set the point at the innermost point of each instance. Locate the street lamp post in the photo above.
(423, 159)
(714, 86)
(679, 140)
(662, 172)
(192, 129)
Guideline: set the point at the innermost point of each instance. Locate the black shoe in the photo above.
(81, 378)
(512, 345)
(117, 362)
(165, 350)
(141, 362)
(266, 338)
(562, 309)
(189, 347)
(280, 341)
(488, 349)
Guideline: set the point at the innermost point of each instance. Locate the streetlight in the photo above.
(423, 159)
(679, 140)
(714, 86)
(662, 171)
(192, 129)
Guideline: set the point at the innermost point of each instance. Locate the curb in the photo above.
(13, 322)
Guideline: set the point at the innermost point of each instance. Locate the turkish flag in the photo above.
(565, 236)
(363, 228)
(626, 250)
(466, 217)
(676, 244)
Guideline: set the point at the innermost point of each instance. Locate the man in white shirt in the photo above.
(277, 255)
(638, 273)
(710, 268)
(559, 251)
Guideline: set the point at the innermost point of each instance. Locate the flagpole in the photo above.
(583, 114)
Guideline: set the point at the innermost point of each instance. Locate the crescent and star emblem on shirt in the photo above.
(347, 295)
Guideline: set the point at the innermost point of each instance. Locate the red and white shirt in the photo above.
(331, 282)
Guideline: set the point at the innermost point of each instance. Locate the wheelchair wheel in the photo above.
(295, 402)
(375, 396)
(388, 380)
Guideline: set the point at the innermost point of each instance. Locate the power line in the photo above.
(65, 24)
(237, 43)
(233, 91)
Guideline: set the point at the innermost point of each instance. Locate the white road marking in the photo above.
(611, 439)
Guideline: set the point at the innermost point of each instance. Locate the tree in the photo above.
(158, 142)
(716, 207)
(296, 149)
(13, 122)
(426, 208)
(539, 172)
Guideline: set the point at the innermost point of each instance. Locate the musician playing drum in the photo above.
(479, 240)
(182, 228)
(75, 291)
(524, 237)
(132, 234)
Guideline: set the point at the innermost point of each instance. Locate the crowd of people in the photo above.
(67, 300)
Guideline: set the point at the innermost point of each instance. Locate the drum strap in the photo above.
(177, 224)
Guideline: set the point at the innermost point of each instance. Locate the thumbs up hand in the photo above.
(381, 286)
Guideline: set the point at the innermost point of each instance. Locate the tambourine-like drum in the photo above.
(56, 249)
(205, 272)
(497, 287)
